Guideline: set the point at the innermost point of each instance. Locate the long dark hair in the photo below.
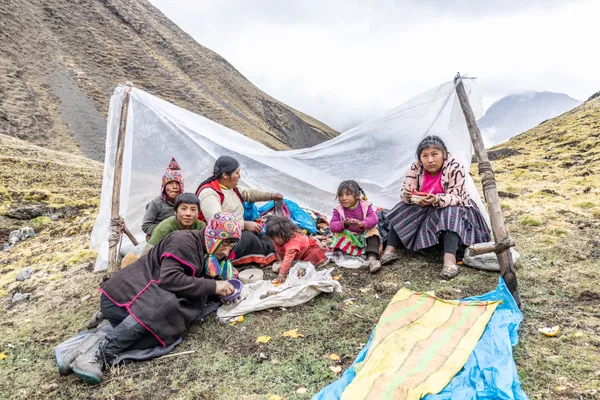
(281, 226)
(432, 141)
(223, 165)
(352, 187)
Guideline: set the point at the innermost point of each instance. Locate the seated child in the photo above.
(186, 218)
(162, 206)
(354, 224)
(291, 245)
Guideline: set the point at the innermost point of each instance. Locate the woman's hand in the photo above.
(429, 200)
(281, 278)
(407, 195)
(224, 288)
(252, 227)
(277, 197)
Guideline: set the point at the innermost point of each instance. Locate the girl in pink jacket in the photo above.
(354, 225)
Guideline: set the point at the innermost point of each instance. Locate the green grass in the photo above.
(529, 220)
(587, 205)
(40, 222)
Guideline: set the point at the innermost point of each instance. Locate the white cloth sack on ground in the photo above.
(488, 261)
(344, 260)
(294, 291)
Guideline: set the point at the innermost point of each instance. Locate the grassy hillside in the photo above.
(60, 61)
(550, 173)
(550, 179)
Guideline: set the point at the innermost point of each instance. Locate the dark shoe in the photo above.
(374, 266)
(389, 258)
(88, 366)
(95, 320)
(64, 364)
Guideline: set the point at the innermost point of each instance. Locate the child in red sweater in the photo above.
(354, 225)
(291, 245)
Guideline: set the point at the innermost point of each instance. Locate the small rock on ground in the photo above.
(25, 273)
(20, 234)
(26, 212)
(17, 297)
(49, 387)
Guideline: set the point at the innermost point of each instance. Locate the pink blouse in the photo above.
(432, 184)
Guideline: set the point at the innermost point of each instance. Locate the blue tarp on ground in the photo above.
(489, 373)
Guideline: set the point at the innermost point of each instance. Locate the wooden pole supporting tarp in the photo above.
(117, 224)
(507, 265)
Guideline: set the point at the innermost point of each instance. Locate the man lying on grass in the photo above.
(153, 301)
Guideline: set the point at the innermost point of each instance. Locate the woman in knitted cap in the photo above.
(162, 207)
(153, 301)
(221, 192)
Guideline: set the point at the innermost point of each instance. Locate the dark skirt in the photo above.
(253, 249)
(420, 227)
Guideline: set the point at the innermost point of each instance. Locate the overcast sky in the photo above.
(343, 61)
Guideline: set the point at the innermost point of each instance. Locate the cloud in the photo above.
(344, 61)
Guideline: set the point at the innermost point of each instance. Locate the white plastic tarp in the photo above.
(376, 153)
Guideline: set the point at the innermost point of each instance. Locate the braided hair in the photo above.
(352, 187)
(223, 165)
(432, 141)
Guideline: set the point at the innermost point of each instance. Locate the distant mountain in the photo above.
(518, 113)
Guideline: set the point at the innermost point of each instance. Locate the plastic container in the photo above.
(251, 275)
(237, 284)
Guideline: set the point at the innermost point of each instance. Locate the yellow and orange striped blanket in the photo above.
(419, 344)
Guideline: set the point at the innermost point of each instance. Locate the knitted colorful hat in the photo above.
(221, 226)
(173, 173)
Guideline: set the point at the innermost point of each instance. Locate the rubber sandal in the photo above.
(449, 271)
(374, 266)
(389, 258)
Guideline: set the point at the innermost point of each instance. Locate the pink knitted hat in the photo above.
(173, 173)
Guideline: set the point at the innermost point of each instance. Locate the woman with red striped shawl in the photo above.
(221, 193)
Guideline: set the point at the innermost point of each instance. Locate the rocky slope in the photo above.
(60, 60)
(517, 113)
